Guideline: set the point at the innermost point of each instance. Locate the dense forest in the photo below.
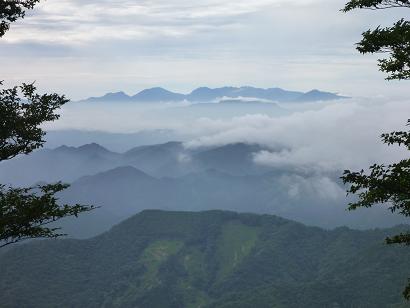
(208, 259)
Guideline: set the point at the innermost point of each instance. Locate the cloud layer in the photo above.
(336, 137)
(319, 137)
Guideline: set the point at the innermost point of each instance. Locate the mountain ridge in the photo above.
(206, 94)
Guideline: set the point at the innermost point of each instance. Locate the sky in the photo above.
(86, 48)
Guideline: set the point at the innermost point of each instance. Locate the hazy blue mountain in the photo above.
(210, 259)
(125, 191)
(92, 150)
(60, 164)
(118, 142)
(152, 151)
(159, 160)
(110, 97)
(148, 95)
(273, 94)
(316, 95)
(168, 159)
(157, 95)
(236, 159)
(205, 94)
(171, 177)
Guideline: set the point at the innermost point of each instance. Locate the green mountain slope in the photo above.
(209, 259)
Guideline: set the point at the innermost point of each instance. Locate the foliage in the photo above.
(185, 259)
(24, 214)
(375, 4)
(393, 40)
(11, 11)
(20, 131)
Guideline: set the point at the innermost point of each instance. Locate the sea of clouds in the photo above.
(318, 136)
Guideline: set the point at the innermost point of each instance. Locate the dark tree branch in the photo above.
(20, 131)
(376, 4)
(12, 10)
(25, 212)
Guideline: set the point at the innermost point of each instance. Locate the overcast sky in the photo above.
(88, 47)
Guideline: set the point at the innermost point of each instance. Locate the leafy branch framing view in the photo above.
(386, 185)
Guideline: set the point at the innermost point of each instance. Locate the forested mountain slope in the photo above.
(208, 259)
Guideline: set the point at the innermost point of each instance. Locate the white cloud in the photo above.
(339, 136)
(321, 187)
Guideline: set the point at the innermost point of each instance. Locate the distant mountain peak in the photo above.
(64, 148)
(124, 173)
(92, 147)
(89, 149)
(171, 145)
(157, 94)
(154, 90)
(110, 97)
(317, 95)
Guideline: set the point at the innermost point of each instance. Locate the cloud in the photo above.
(320, 188)
(77, 22)
(336, 137)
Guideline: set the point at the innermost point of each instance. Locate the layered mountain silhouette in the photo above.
(125, 191)
(169, 159)
(170, 176)
(205, 94)
(209, 259)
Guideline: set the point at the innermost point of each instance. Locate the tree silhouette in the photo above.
(394, 40)
(386, 185)
(11, 11)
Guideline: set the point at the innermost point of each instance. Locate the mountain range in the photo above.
(205, 94)
(125, 191)
(169, 159)
(209, 259)
(170, 176)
